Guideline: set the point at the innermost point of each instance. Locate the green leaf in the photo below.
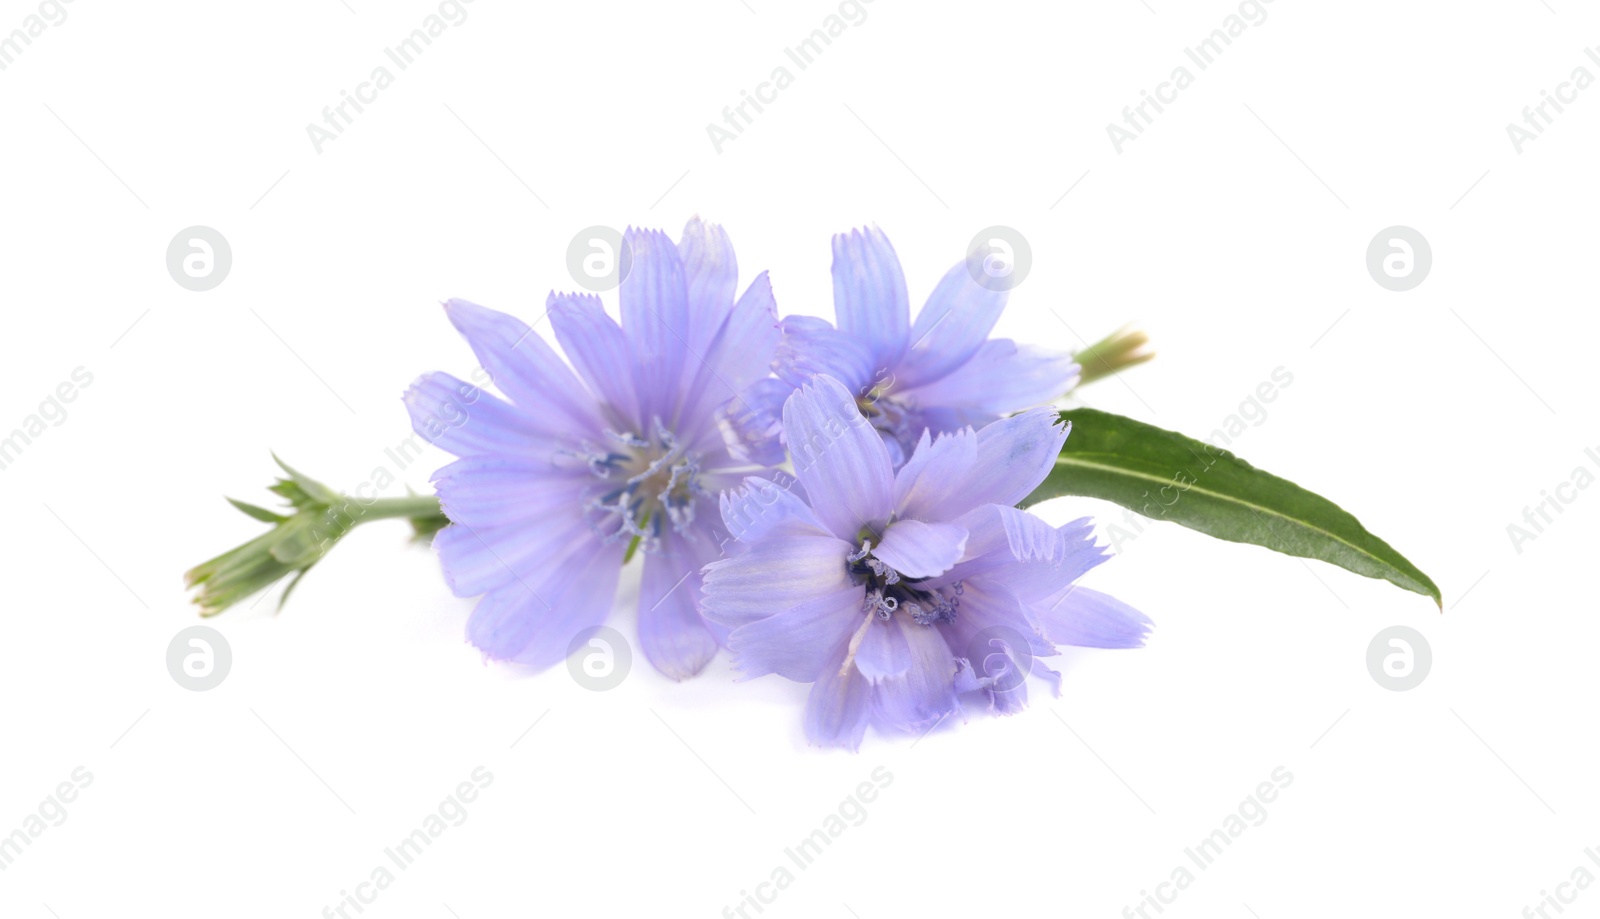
(259, 513)
(1167, 476)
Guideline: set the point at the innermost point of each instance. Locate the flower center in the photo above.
(888, 593)
(651, 480)
(885, 413)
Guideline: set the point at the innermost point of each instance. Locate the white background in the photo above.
(1234, 230)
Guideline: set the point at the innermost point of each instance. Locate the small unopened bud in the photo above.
(317, 518)
(1121, 349)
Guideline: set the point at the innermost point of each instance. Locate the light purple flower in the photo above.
(942, 372)
(553, 487)
(895, 592)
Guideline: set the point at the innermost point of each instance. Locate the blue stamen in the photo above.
(661, 487)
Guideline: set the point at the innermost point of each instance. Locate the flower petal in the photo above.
(711, 274)
(740, 353)
(460, 418)
(1001, 377)
(511, 519)
(525, 367)
(477, 559)
(535, 625)
(839, 704)
(655, 320)
(492, 491)
(925, 692)
(838, 457)
(883, 652)
(988, 604)
(932, 485)
(810, 346)
(762, 507)
(1015, 454)
(1090, 619)
(752, 425)
(775, 575)
(921, 550)
(1033, 559)
(869, 295)
(671, 633)
(994, 633)
(951, 327)
(799, 642)
(596, 346)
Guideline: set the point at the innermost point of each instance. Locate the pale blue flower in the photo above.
(940, 373)
(554, 486)
(894, 593)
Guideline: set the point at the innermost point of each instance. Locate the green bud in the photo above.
(1121, 349)
(317, 518)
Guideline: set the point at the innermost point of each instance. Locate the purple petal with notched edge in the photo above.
(838, 457)
(1009, 534)
(711, 275)
(1015, 454)
(921, 550)
(778, 573)
(992, 621)
(932, 485)
(595, 344)
(525, 367)
(951, 327)
(1090, 619)
(460, 418)
(797, 643)
(761, 507)
(1002, 377)
(810, 346)
(838, 705)
(672, 635)
(740, 353)
(752, 425)
(869, 295)
(1037, 579)
(925, 692)
(535, 624)
(655, 320)
(1016, 548)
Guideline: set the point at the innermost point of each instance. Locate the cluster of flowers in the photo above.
(891, 569)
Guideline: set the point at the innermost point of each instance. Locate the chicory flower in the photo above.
(940, 373)
(894, 593)
(556, 487)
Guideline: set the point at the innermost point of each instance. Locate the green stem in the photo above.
(390, 508)
(316, 519)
